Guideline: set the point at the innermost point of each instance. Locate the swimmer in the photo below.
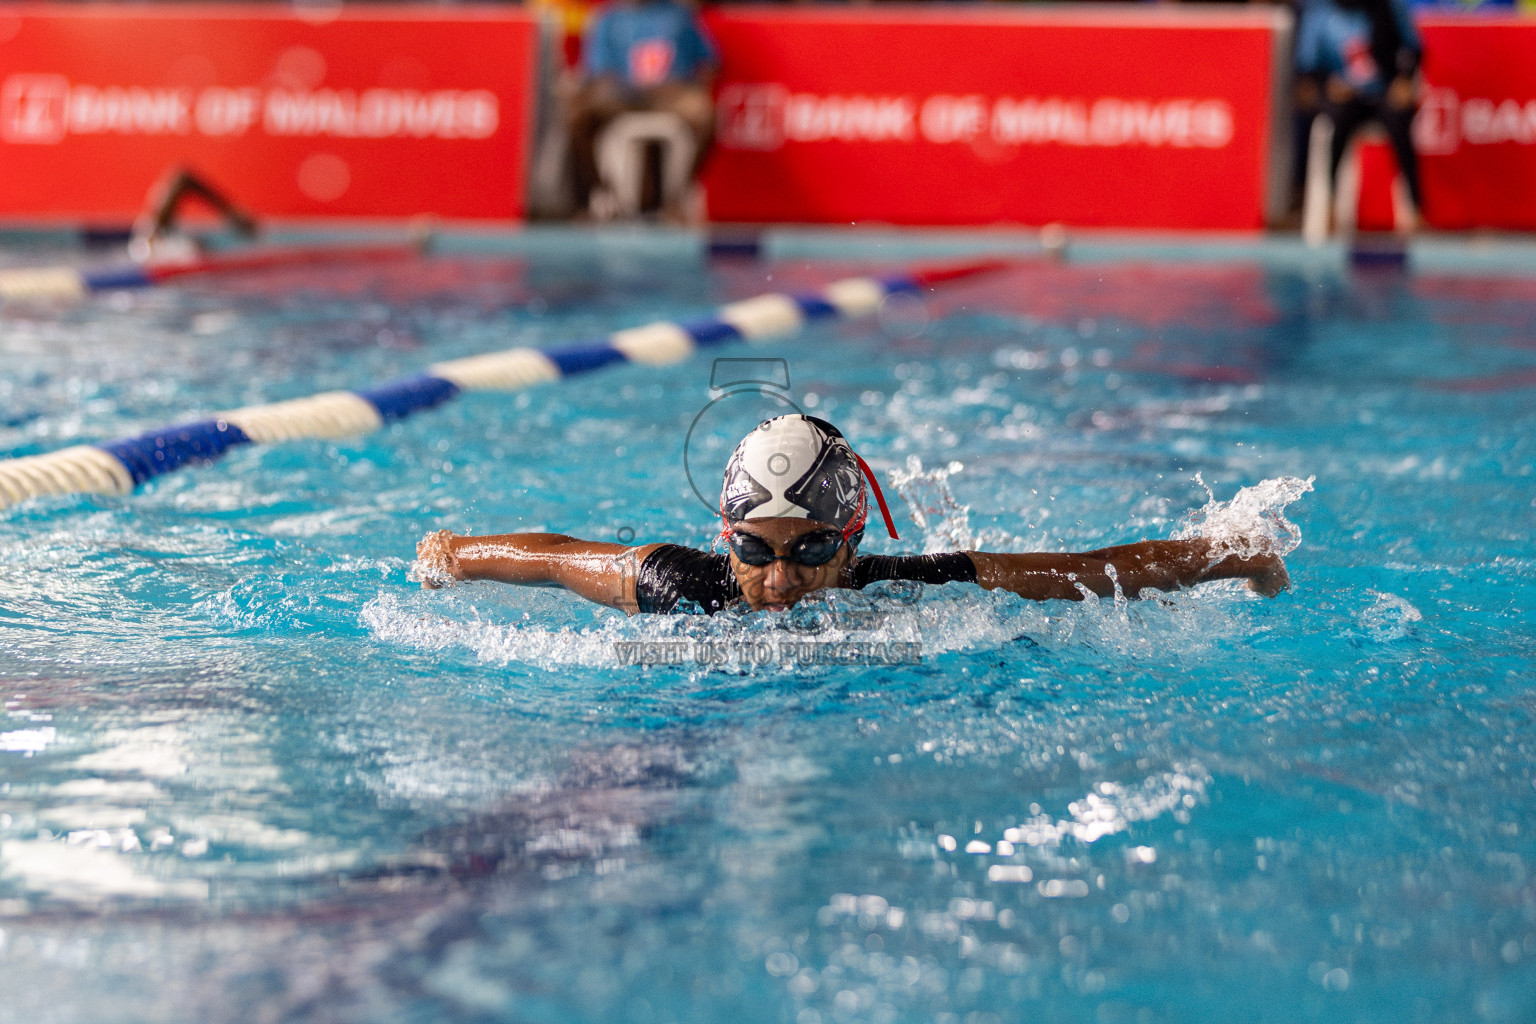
(793, 508)
(157, 237)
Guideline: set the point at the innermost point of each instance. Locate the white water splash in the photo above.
(514, 626)
(434, 555)
(1252, 523)
(1389, 618)
(944, 521)
(448, 624)
(886, 623)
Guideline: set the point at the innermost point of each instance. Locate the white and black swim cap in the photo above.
(798, 467)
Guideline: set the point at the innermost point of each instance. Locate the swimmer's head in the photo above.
(793, 505)
(796, 467)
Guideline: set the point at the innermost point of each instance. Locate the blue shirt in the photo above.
(646, 44)
(1336, 41)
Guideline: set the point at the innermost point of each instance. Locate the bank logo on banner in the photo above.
(751, 116)
(1434, 127)
(44, 109)
(1445, 121)
(765, 115)
(33, 108)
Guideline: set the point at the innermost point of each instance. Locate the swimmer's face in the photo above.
(781, 583)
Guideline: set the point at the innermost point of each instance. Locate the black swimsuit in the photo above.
(672, 575)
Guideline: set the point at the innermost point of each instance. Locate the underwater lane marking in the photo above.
(1508, 381)
(268, 258)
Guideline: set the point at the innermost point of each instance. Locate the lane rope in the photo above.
(117, 467)
(33, 284)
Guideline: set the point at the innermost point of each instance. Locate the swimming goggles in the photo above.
(813, 549)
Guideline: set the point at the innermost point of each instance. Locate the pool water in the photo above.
(249, 772)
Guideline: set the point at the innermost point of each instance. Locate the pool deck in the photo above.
(1501, 253)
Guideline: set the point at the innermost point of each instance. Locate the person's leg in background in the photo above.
(1308, 99)
(1398, 121)
(597, 102)
(1348, 117)
(694, 104)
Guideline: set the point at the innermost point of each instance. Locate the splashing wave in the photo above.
(1252, 523)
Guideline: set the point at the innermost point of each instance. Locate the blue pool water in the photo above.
(249, 772)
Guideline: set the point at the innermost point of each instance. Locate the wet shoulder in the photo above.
(673, 576)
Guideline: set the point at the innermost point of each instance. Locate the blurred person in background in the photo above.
(642, 55)
(1357, 61)
(157, 235)
(571, 17)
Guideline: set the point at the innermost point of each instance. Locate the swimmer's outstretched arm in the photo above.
(1145, 565)
(165, 199)
(605, 573)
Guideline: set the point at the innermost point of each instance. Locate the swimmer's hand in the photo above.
(436, 565)
(1266, 575)
(1265, 571)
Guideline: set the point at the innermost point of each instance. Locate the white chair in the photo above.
(1340, 200)
(1318, 198)
(621, 161)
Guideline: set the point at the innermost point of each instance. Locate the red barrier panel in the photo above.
(1476, 130)
(1127, 118)
(343, 112)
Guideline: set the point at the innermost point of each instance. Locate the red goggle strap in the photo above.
(879, 497)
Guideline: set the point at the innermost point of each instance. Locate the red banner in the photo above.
(1126, 118)
(377, 112)
(1476, 129)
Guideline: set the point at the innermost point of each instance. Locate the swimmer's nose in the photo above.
(778, 577)
(778, 581)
